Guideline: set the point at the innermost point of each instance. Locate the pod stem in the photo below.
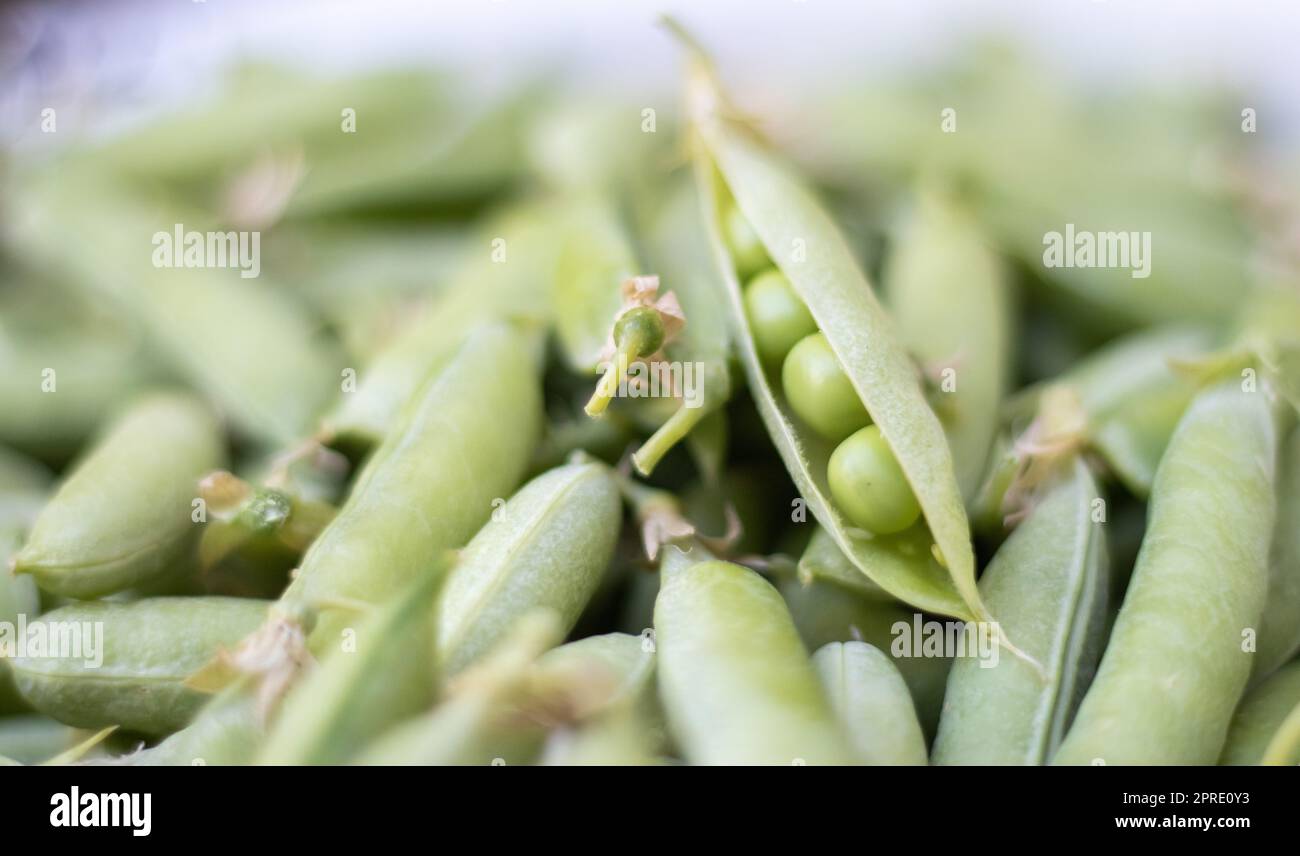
(607, 386)
(672, 432)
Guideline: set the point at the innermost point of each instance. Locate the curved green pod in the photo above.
(1279, 627)
(869, 696)
(225, 732)
(548, 546)
(734, 677)
(34, 738)
(463, 443)
(129, 661)
(807, 247)
(1048, 585)
(1260, 716)
(1175, 665)
(389, 672)
(949, 294)
(123, 515)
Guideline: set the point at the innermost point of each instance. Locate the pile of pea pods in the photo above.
(557, 428)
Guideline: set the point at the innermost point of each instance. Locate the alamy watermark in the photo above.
(1082, 249)
(660, 379)
(182, 249)
(63, 640)
(921, 638)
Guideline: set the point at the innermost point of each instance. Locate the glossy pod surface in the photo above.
(130, 660)
(1175, 667)
(123, 516)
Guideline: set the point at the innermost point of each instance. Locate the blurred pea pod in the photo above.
(1048, 584)
(225, 732)
(122, 517)
(58, 387)
(1261, 716)
(18, 597)
(950, 297)
(872, 703)
(34, 738)
(246, 345)
(388, 673)
(507, 273)
(735, 679)
(1131, 398)
(132, 659)
(548, 546)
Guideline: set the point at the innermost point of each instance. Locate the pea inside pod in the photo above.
(123, 515)
(1175, 665)
(808, 249)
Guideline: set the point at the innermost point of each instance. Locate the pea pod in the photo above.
(1131, 397)
(1048, 584)
(508, 273)
(464, 441)
(225, 732)
(33, 738)
(547, 547)
(389, 673)
(1279, 628)
(122, 517)
(825, 610)
(132, 661)
(18, 597)
(24, 485)
(1175, 667)
(872, 702)
(1260, 717)
(473, 725)
(735, 679)
(949, 294)
(805, 245)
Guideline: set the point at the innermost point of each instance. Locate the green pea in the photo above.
(872, 703)
(122, 517)
(1175, 667)
(747, 250)
(819, 391)
(777, 317)
(869, 486)
(133, 674)
(734, 677)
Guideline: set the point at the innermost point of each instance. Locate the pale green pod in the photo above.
(618, 739)
(622, 663)
(734, 677)
(464, 442)
(126, 663)
(548, 547)
(479, 722)
(18, 596)
(1279, 627)
(24, 488)
(949, 295)
(1175, 667)
(33, 738)
(123, 515)
(1047, 585)
(868, 694)
(226, 732)
(507, 273)
(1260, 715)
(388, 673)
(828, 605)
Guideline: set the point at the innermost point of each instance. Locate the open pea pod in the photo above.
(808, 249)
(949, 294)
